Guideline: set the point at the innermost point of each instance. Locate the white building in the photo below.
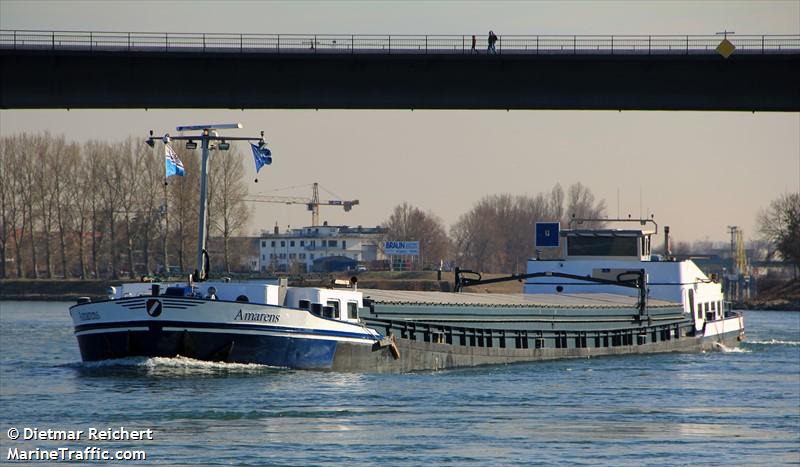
(296, 250)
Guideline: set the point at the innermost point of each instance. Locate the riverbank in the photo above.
(71, 289)
(53, 289)
(775, 296)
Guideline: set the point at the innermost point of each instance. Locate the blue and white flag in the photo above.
(263, 156)
(174, 165)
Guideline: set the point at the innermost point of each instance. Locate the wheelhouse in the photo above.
(612, 244)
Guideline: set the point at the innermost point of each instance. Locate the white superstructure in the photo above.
(611, 254)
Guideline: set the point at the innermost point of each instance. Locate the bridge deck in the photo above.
(40, 69)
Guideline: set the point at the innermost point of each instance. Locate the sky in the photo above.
(697, 172)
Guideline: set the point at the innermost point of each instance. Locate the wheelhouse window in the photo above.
(334, 304)
(602, 246)
(352, 310)
(304, 304)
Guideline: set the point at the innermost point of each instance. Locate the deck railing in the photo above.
(391, 44)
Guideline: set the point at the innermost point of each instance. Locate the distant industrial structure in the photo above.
(737, 282)
(732, 266)
(320, 248)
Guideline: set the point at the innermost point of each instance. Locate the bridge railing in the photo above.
(391, 44)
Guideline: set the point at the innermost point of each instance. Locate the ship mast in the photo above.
(209, 139)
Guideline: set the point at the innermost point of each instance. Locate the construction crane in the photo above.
(738, 256)
(312, 204)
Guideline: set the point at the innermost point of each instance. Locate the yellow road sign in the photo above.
(725, 48)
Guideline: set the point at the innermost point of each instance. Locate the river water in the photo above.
(736, 407)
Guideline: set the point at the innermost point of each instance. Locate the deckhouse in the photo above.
(614, 254)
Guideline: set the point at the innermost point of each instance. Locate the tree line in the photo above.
(497, 234)
(779, 225)
(104, 209)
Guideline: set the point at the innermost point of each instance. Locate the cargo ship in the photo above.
(607, 295)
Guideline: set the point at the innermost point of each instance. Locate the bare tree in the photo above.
(557, 203)
(152, 168)
(128, 171)
(113, 200)
(45, 164)
(232, 213)
(96, 172)
(408, 223)
(475, 236)
(65, 167)
(6, 225)
(780, 226)
(581, 204)
(16, 209)
(28, 148)
(498, 233)
(521, 231)
(80, 193)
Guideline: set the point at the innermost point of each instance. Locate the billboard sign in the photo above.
(401, 248)
(547, 234)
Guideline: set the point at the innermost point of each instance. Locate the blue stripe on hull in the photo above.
(230, 326)
(279, 351)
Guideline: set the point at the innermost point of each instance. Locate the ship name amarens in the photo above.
(258, 317)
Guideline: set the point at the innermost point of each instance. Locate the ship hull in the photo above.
(232, 347)
(430, 356)
(207, 330)
(212, 330)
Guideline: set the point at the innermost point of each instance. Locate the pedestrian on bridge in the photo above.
(474, 41)
(492, 41)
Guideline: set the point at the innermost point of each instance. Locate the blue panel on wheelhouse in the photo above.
(547, 234)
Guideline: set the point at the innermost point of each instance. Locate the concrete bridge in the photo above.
(52, 69)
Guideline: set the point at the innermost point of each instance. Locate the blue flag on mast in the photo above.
(262, 156)
(174, 165)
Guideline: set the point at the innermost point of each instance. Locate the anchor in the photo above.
(390, 342)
